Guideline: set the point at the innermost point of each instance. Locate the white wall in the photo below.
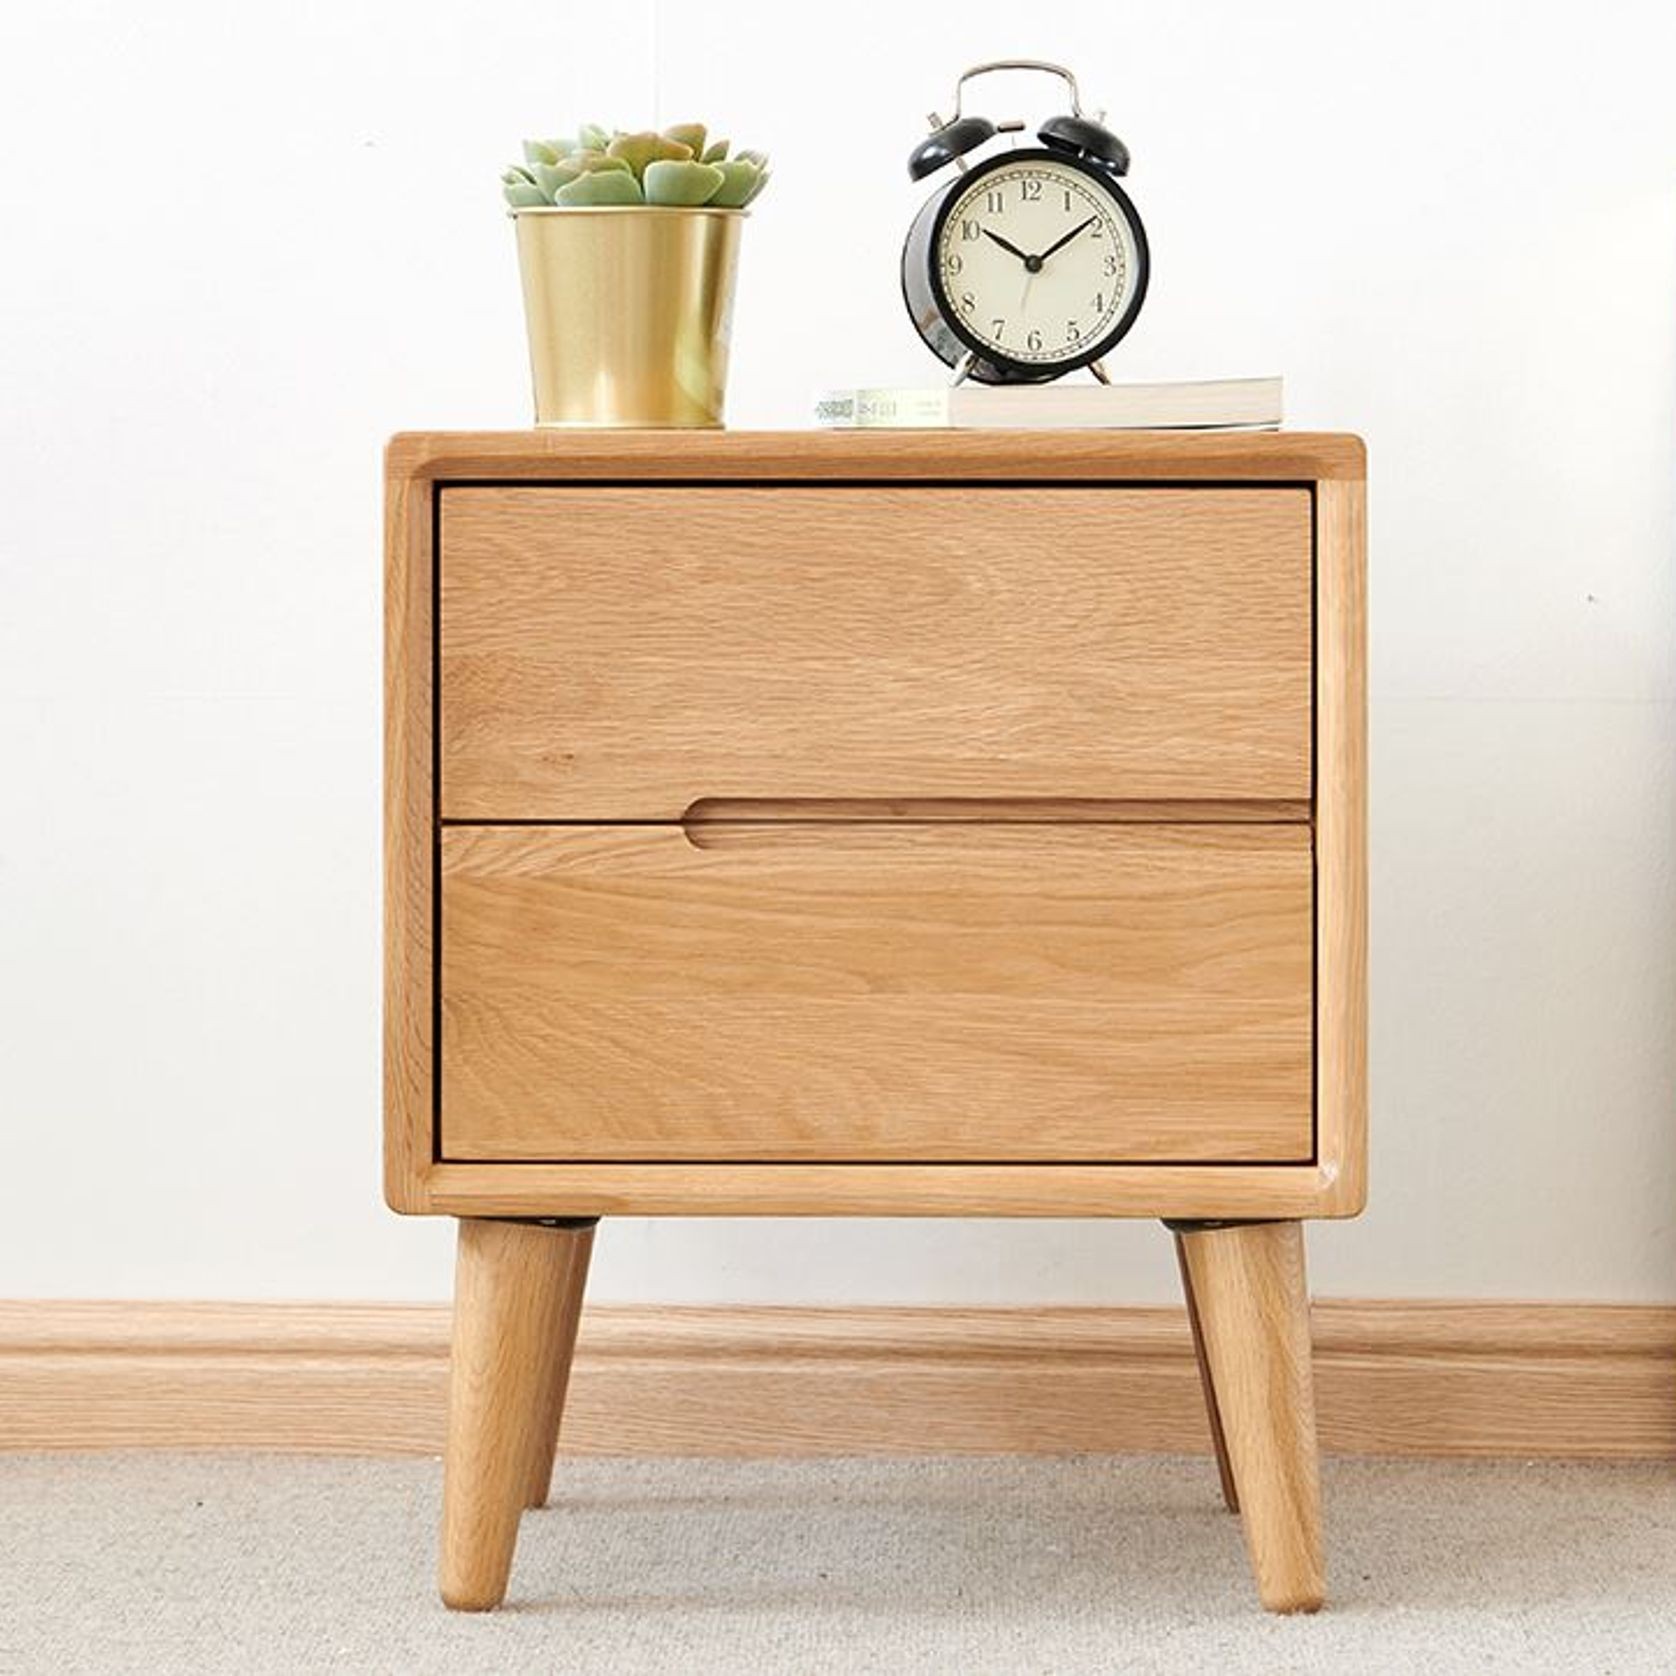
(240, 245)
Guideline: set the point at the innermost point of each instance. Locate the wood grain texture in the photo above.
(408, 828)
(1012, 1189)
(1252, 1304)
(1341, 841)
(1334, 1185)
(900, 990)
(510, 1290)
(1393, 1377)
(891, 456)
(617, 654)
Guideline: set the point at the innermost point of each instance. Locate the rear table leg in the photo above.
(1224, 1471)
(573, 1254)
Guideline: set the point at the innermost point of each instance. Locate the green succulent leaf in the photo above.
(681, 167)
(689, 134)
(738, 182)
(638, 150)
(673, 182)
(588, 162)
(600, 186)
(551, 176)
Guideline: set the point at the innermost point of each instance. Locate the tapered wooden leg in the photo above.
(574, 1246)
(1252, 1300)
(508, 1285)
(1224, 1471)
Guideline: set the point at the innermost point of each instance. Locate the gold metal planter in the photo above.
(630, 311)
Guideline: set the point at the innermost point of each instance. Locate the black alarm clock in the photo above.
(1031, 262)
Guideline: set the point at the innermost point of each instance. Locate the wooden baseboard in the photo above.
(1394, 1378)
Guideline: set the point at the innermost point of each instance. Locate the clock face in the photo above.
(1038, 261)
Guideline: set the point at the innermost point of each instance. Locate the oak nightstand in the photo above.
(884, 823)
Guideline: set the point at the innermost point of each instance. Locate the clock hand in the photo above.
(1059, 244)
(1005, 246)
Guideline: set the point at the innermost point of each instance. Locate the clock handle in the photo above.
(1019, 64)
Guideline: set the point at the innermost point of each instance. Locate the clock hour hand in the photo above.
(1026, 260)
(1059, 244)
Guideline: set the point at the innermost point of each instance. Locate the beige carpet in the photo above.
(243, 1564)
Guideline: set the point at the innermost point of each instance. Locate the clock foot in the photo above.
(1098, 368)
(963, 368)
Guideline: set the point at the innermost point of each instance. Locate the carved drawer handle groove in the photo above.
(708, 820)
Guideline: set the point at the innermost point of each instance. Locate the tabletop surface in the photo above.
(877, 455)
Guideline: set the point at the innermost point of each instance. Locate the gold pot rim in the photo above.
(626, 209)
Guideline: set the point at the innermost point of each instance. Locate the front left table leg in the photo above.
(515, 1283)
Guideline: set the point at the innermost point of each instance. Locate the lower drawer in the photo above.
(885, 991)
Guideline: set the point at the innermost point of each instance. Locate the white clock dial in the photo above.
(1038, 261)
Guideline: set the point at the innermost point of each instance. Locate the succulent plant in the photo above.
(681, 167)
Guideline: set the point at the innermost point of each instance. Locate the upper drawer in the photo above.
(621, 653)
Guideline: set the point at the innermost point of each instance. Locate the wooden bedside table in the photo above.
(882, 823)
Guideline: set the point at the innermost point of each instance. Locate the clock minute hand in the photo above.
(1005, 246)
(1059, 244)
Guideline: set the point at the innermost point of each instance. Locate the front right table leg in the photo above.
(1252, 1301)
